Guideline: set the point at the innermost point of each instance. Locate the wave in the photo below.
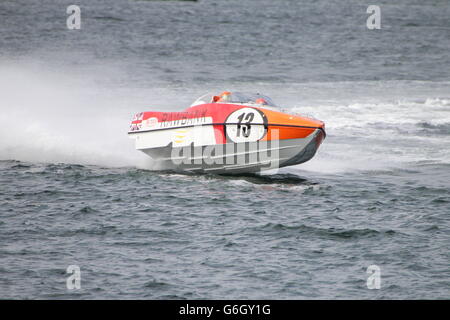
(435, 111)
(384, 135)
(282, 230)
(442, 128)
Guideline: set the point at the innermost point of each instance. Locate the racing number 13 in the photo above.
(245, 125)
(248, 117)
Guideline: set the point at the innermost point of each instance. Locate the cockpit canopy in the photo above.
(245, 98)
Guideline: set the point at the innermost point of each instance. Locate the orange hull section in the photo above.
(283, 126)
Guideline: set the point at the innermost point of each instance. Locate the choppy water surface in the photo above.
(73, 191)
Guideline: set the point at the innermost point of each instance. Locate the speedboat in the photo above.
(230, 133)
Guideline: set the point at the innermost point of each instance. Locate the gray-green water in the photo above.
(73, 191)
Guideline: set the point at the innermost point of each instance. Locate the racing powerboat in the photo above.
(231, 133)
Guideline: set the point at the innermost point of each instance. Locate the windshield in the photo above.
(254, 99)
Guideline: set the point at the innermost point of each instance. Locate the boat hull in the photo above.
(237, 158)
(226, 138)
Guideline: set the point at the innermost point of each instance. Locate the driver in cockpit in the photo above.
(223, 97)
(261, 101)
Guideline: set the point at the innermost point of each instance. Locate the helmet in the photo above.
(261, 101)
(224, 96)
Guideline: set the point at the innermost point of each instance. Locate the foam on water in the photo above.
(374, 136)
